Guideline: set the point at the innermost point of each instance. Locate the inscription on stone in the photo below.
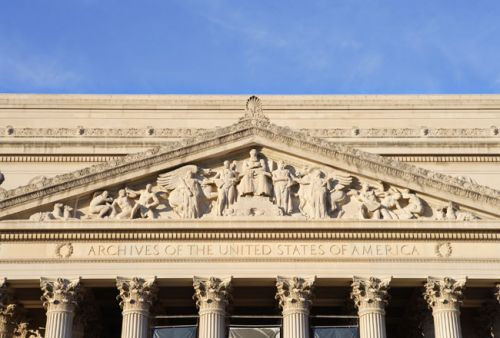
(254, 250)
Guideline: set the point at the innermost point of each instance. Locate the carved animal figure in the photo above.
(451, 212)
(186, 194)
(60, 212)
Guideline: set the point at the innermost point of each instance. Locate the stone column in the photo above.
(444, 297)
(496, 321)
(212, 296)
(60, 297)
(295, 298)
(370, 298)
(136, 297)
(7, 310)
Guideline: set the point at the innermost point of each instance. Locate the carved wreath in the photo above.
(443, 249)
(64, 250)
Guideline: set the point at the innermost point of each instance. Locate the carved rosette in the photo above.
(212, 294)
(444, 294)
(136, 294)
(295, 294)
(60, 294)
(370, 293)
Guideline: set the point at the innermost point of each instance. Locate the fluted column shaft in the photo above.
(136, 297)
(212, 324)
(212, 296)
(447, 323)
(295, 298)
(59, 323)
(444, 297)
(60, 298)
(135, 323)
(372, 322)
(295, 323)
(370, 297)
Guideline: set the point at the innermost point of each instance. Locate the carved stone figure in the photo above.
(146, 205)
(414, 208)
(100, 205)
(255, 179)
(60, 212)
(313, 193)
(389, 203)
(283, 182)
(373, 208)
(226, 181)
(451, 212)
(123, 206)
(338, 194)
(187, 197)
(319, 192)
(304, 179)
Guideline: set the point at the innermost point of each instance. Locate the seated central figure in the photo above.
(255, 178)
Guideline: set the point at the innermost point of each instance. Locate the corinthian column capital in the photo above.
(295, 294)
(6, 308)
(445, 293)
(60, 293)
(370, 292)
(212, 293)
(497, 292)
(136, 293)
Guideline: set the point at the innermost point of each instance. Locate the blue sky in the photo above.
(255, 46)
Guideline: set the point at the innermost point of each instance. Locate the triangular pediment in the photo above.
(347, 174)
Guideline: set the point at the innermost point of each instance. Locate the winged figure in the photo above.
(186, 194)
(338, 194)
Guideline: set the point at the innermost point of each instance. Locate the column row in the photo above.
(61, 298)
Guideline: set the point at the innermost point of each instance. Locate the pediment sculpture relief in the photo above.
(257, 186)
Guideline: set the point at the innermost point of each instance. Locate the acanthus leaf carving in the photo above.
(295, 293)
(212, 294)
(371, 292)
(60, 293)
(444, 292)
(136, 293)
(23, 330)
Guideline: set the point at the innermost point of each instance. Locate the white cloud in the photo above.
(34, 71)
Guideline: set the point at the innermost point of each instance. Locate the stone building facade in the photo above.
(272, 216)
